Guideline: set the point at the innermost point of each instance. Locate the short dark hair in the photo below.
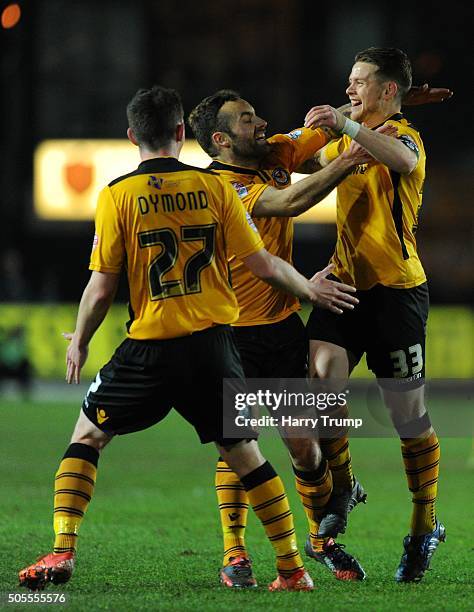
(393, 65)
(205, 120)
(153, 115)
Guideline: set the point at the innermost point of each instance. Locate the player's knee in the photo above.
(328, 361)
(305, 454)
(243, 457)
(86, 432)
(405, 406)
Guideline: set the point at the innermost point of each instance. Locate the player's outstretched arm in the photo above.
(424, 94)
(385, 149)
(95, 302)
(319, 290)
(297, 198)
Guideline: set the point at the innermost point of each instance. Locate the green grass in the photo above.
(151, 537)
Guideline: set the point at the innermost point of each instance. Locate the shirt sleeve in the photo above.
(299, 145)
(241, 234)
(249, 194)
(409, 137)
(108, 248)
(335, 148)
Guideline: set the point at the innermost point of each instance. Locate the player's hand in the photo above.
(424, 94)
(75, 358)
(357, 154)
(332, 295)
(324, 116)
(388, 129)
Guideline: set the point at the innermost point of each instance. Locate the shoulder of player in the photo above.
(237, 175)
(161, 166)
(402, 122)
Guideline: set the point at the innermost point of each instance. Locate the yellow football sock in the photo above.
(421, 458)
(338, 456)
(314, 489)
(268, 499)
(335, 449)
(73, 488)
(233, 508)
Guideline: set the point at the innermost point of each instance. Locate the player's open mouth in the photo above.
(356, 102)
(261, 137)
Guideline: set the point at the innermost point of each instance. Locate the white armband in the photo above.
(351, 128)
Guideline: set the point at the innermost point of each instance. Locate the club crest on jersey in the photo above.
(295, 134)
(153, 181)
(240, 188)
(281, 176)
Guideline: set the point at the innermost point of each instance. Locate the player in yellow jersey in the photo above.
(269, 333)
(377, 217)
(175, 227)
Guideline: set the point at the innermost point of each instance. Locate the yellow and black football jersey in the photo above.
(259, 302)
(175, 227)
(377, 216)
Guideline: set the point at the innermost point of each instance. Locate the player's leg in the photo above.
(268, 499)
(117, 402)
(231, 495)
(398, 359)
(73, 489)
(215, 357)
(336, 346)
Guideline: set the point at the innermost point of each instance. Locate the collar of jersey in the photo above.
(160, 164)
(217, 165)
(395, 117)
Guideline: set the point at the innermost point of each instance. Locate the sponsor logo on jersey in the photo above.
(281, 176)
(250, 222)
(95, 242)
(153, 181)
(240, 188)
(295, 134)
(410, 143)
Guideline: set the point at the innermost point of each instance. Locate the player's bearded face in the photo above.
(364, 91)
(247, 132)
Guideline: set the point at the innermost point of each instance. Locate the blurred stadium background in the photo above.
(68, 70)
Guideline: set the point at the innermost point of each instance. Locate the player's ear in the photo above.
(180, 132)
(220, 140)
(131, 137)
(390, 90)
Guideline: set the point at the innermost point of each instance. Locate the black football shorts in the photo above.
(144, 379)
(389, 325)
(276, 350)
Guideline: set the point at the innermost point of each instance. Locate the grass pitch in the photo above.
(151, 537)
